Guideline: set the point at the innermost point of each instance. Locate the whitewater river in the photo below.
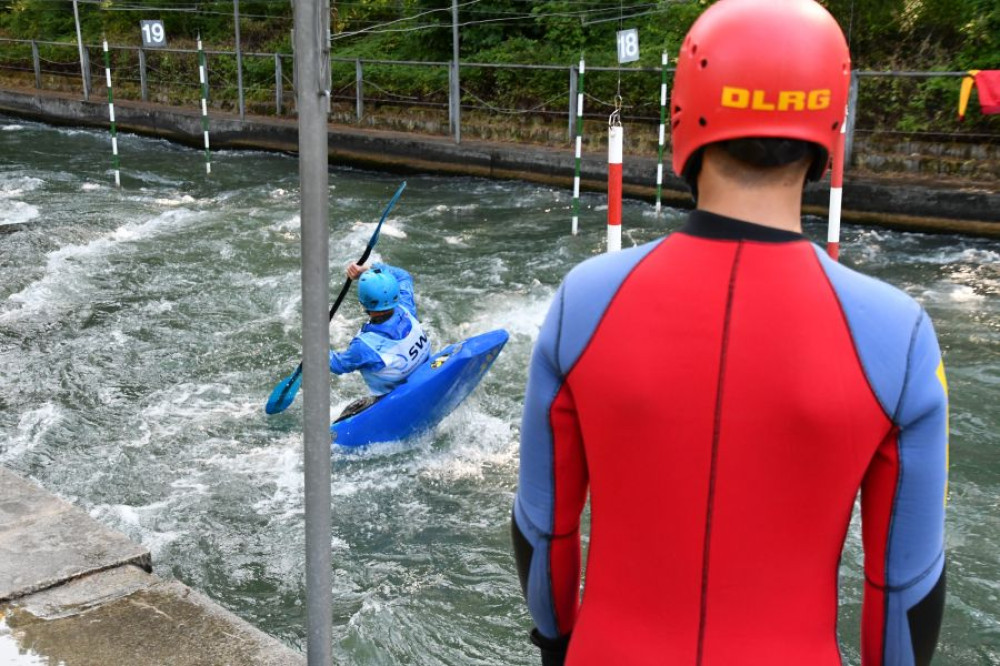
(141, 331)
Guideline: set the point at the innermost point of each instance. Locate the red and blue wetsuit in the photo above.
(764, 384)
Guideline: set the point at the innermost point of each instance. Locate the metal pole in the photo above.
(36, 62)
(311, 24)
(852, 117)
(84, 61)
(456, 82)
(203, 80)
(279, 84)
(359, 99)
(111, 115)
(143, 82)
(239, 60)
(579, 145)
(663, 134)
(572, 102)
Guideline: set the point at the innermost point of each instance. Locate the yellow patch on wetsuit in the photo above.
(947, 427)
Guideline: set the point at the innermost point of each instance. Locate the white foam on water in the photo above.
(17, 185)
(479, 441)
(18, 212)
(141, 522)
(92, 187)
(455, 240)
(66, 268)
(518, 314)
(181, 200)
(31, 430)
(12, 128)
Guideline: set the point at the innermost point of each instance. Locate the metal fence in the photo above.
(534, 103)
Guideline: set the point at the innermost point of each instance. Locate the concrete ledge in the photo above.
(45, 541)
(127, 616)
(902, 202)
(76, 593)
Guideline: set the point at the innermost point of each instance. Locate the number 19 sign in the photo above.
(628, 45)
(153, 34)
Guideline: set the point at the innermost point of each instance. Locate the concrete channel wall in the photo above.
(76, 593)
(919, 204)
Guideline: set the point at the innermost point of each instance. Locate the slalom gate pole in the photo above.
(836, 193)
(663, 123)
(111, 113)
(579, 148)
(203, 79)
(615, 140)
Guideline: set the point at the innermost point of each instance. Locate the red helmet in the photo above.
(760, 68)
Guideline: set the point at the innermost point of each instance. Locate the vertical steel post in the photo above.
(279, 84)
(143, 82)
(572, 102)
(84, 60)
(314, 184)
(579, 146)
(359, 86)
(457, 92)
(37, 64)
(663, 133)
(852, 117)
(239, 60)
(203, 80)
(111, 115)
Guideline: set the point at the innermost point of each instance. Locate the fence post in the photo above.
(239, 60)
(88, 84)
(36, 62)
(852, 117)
(279, 83)
(360, 84)
(84, 59)
(143, 82)
(572, 103)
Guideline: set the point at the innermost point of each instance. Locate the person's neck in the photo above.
(380, 317)
(770, 207)
(772, 199)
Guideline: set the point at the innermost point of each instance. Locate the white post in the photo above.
(111, 114)
(203, 79)
(84, 61)
(836, 192)
(663, 133)
(579, 147)
(616, 135)
(239, 60)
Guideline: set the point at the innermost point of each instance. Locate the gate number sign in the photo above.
(153, 34)
(628, 45)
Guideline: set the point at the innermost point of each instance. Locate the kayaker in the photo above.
(392, 344)
(722, 394)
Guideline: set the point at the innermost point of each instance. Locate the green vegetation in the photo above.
(913, 35)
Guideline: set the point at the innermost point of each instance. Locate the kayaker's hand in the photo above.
(553, 651)
(354, 270)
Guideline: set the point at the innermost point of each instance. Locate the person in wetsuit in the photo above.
(724, 393)
(392, 344)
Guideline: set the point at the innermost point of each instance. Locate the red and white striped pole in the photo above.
(836, 192)
(616, 135)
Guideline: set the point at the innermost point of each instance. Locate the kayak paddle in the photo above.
(284, 393)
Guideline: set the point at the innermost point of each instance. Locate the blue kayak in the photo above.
(429, 394)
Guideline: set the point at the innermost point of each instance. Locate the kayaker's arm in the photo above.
(356, 357)
(902, 516)
(546, 522)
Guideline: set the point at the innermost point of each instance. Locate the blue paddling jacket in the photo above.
(388, 352)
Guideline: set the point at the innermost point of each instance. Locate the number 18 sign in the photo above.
(628, 45)
(153, 34)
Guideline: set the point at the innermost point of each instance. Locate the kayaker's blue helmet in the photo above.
(378, 291)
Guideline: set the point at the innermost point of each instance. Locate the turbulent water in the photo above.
(141, 331)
